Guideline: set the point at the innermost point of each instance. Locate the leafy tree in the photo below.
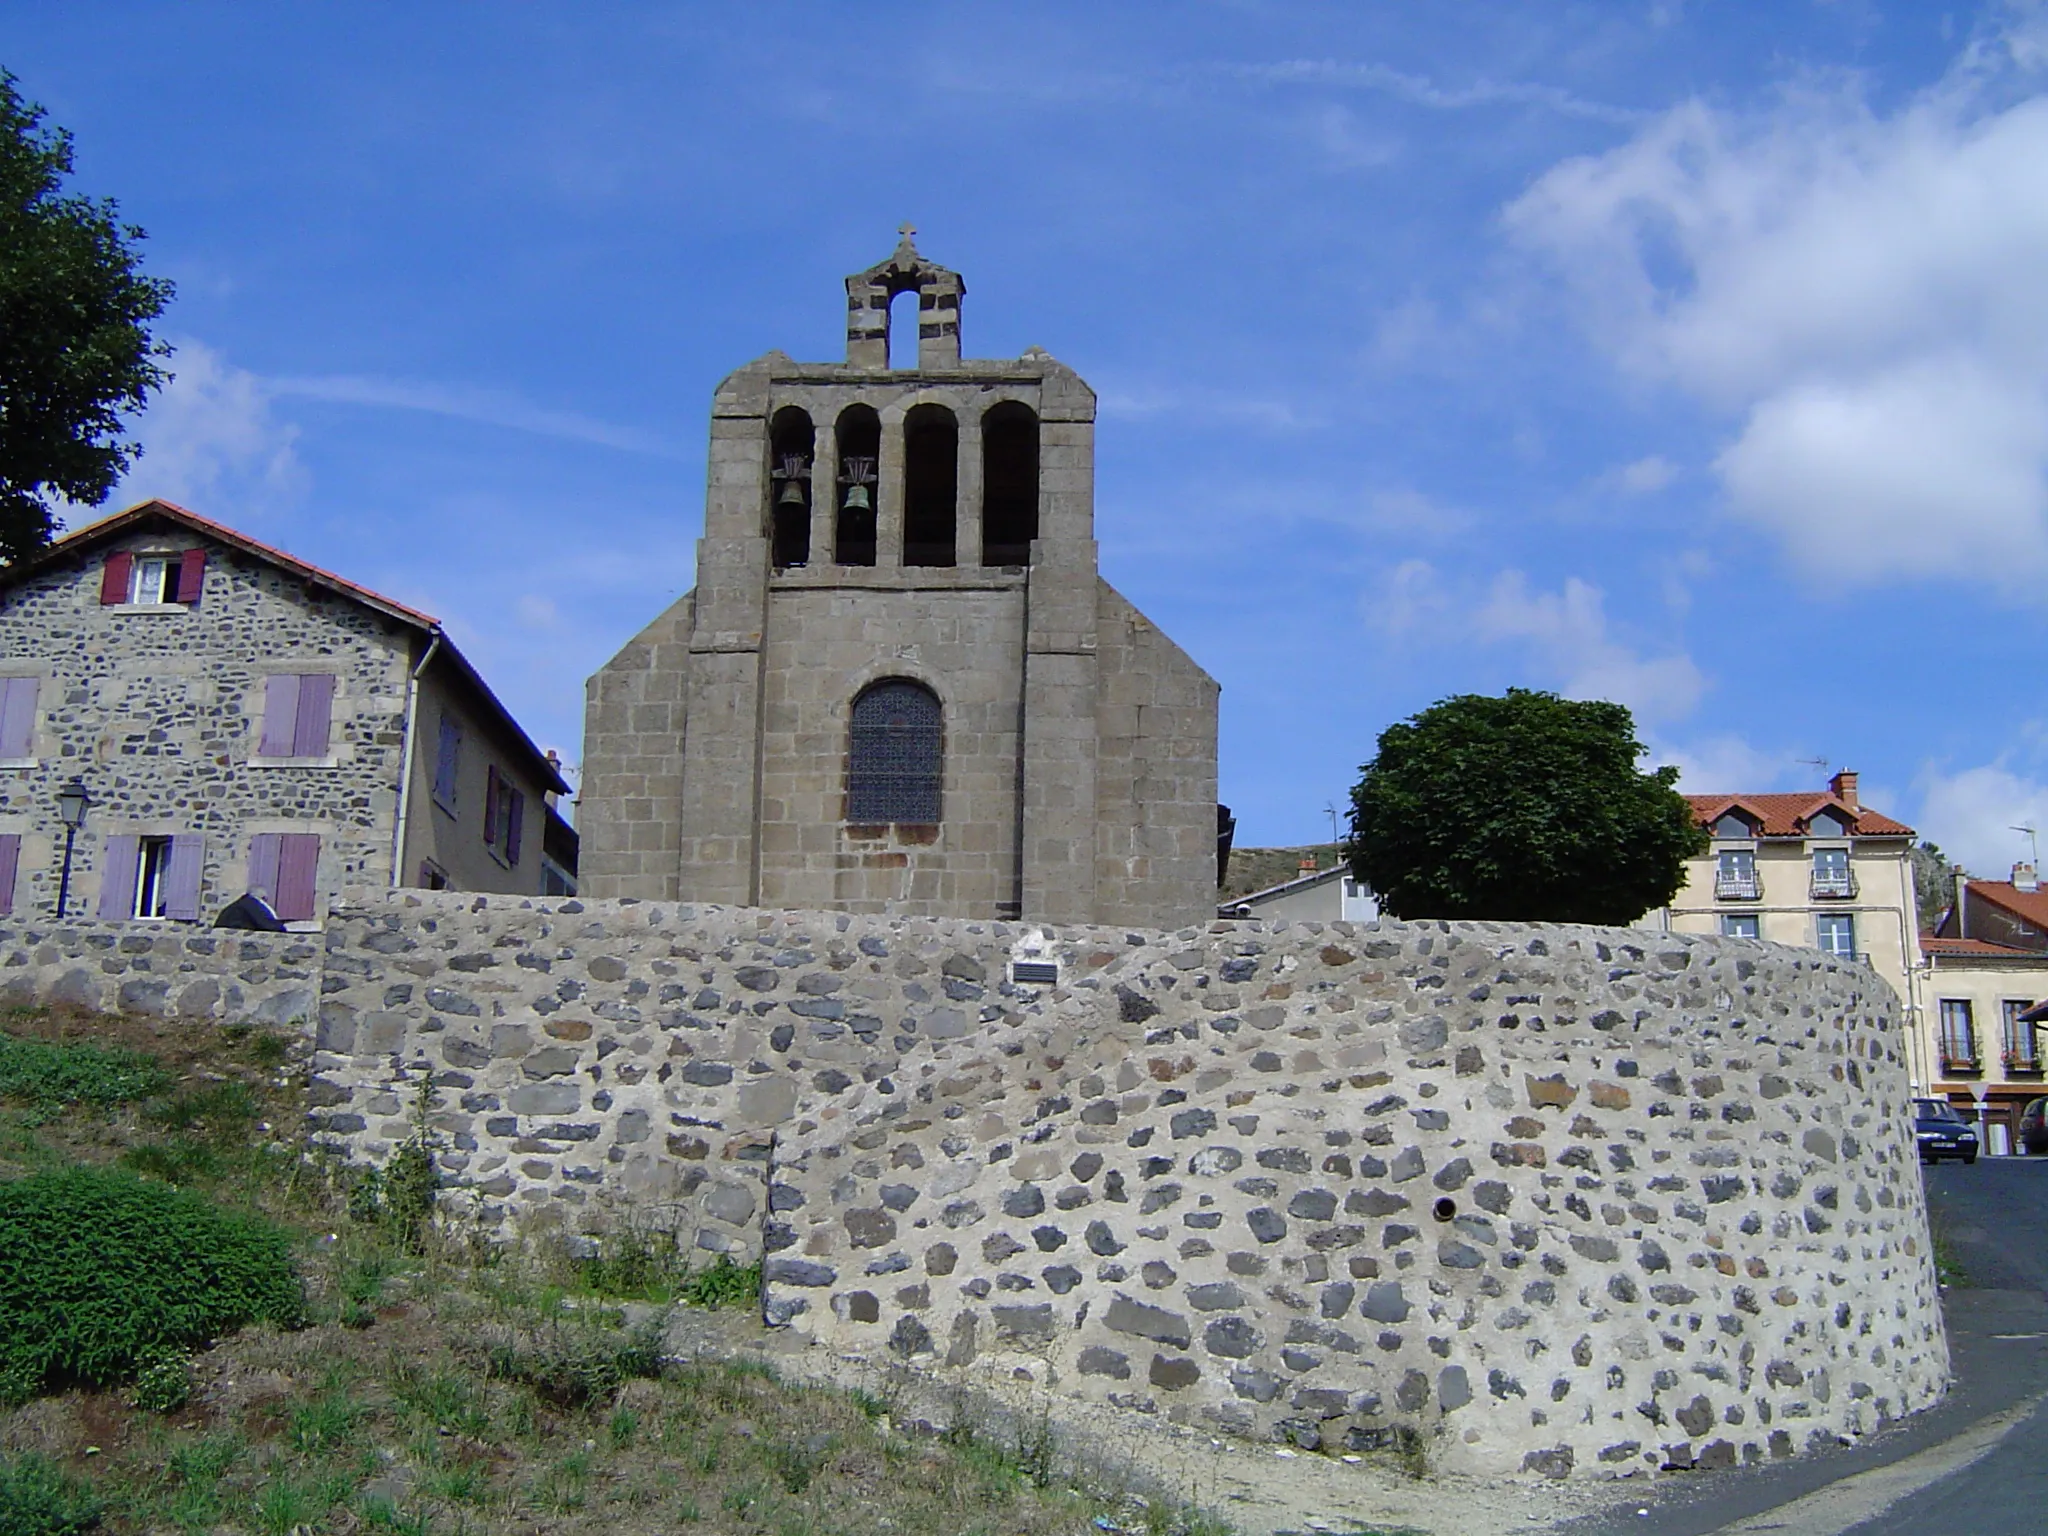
(75, 348)
(1934, 884)
(1527, 808)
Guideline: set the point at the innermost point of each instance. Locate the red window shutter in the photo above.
(191, 575)
(298, 868)
(491, 792)
(10, 860)
(316, 703)
(513, 817)
(264, 851)
(115, 576)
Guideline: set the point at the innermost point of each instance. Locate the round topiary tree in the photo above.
(1527, 808)
(102, 1273)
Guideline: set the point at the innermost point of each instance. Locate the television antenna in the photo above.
(2033, 847)
(1330, 810)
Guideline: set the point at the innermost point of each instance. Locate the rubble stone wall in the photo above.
(166, 970)
(1559, 1200)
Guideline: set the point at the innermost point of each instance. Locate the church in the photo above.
(900, 684)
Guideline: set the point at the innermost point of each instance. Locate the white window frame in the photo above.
(1729, 921)
(167, 562)
(152, 876)
(1823, 922)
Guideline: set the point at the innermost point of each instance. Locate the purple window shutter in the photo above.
(10, 859)
(181, 879)
(316, 704)
(280, 714)
(115, 576)
(117, 876)
(264, 858)
(491, 793)
(445, 760)
(513, 818)
(297, 868)
(191, 575)
(17, 715)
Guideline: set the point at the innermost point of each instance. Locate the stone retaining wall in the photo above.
(1561, 1200)
(162, 969)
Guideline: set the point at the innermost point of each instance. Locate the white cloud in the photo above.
(487, 407)
(1410, 600)
(1568, 631)
(1729, 764)
(1859, 291)
(210, 441)
(1973, 814)
(1643, 477)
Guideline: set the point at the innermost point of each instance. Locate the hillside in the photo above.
(1255, 869)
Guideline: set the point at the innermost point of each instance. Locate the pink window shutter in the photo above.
(280, 714)
(117, 876)
(491, 793)
(191, 575)
(297, 876)
(10, 861)
(316, 707)
(514, 816)
(264, 858)
(17, 715)
(181, 879)
(114, 577)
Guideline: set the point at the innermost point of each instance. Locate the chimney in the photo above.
(1962, 905)
(2024, 878)
(1307, 866)
(1843, 787)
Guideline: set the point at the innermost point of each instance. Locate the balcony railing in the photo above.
(2023, 1060)
(1959, 1056)
(1729, 886)
(1833, 886)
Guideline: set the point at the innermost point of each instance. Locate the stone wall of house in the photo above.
(166, 970)
(1559, 1200)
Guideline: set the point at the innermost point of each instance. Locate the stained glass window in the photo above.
(896, 762)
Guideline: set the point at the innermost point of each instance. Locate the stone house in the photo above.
(900, 684)
(243, 720)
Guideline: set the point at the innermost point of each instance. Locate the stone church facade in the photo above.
(900, 684)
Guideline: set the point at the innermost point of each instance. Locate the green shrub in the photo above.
(51, 1074)
(37, 1499)
(102, 1272)
(572, 1362)
(163, 1385)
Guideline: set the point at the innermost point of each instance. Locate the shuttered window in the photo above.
(447, 760)
(284, 870)
(297, 714)
(152, 877)
(504, 816)
(17, 716)
(895, 757)
(10, 864)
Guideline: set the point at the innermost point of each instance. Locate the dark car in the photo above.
(1942, 1132)
(2034, 1127)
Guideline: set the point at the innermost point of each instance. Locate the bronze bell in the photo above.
(857, 499)
(792, 494)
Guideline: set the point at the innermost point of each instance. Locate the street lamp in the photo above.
(72, 802)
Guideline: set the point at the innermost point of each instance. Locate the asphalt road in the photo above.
(1994, 1217)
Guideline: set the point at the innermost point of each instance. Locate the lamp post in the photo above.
(72, 802)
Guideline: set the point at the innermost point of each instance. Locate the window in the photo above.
(1837, 932)
(10, 862)
(297, 711)
(2021, 1054)
(790, 441)
(17, 718)
(1831, 877)
(284, 870)
(447, 757)
(1958, 1033)
(152, 876)
(1740, 925)
(1732, 825)
(1827, 824)
(1735, 874)
(504, 812)
(432, 876)
(153, 579)
(895, 765)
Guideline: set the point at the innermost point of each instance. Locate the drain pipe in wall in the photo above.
(412, 710)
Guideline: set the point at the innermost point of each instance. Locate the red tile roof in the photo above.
(1932, 945)
(1786, 815)
(2031, 905)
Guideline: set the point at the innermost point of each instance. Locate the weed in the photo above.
(215, 1111)
(399, 1197)
(722, 1284)
(635, 1264)
(164, 1385)
(624, 1425)
(324, 1425)
(571, 1362)
(444, 1399)
(281, 1505)
(360, 1286)
(37, 1499)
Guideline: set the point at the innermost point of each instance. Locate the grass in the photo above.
(444, 1389)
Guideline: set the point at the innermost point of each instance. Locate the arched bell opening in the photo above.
(1009, 479)
(931, 474)
(791, 441)
(903, 329)
(858, 435)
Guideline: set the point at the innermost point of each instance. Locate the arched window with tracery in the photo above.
(895, 765)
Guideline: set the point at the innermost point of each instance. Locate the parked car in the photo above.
(1942, 1132)
(2034, 1127)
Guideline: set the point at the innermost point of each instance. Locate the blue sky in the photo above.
(1690, 354)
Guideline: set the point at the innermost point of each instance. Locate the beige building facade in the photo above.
(900, 684)
(1986, 966)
